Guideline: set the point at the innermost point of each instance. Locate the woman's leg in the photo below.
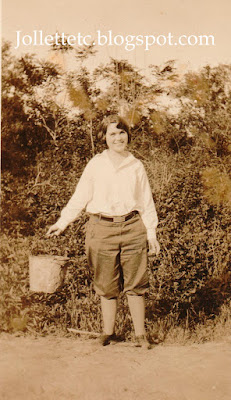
(137, 310)
(109, 309)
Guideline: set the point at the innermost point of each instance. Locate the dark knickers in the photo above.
(117, 252)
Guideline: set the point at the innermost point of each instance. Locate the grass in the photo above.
(190, 289)
(76, 305)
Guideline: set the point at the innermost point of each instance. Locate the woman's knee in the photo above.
(107, 291)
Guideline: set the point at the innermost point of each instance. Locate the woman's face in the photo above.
(116, 139)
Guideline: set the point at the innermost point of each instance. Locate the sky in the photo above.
(126, 17)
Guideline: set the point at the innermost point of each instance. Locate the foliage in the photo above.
(51, 120)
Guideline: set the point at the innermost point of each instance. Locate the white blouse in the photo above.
(112, 191)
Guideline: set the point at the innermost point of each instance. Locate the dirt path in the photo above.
(66, 368)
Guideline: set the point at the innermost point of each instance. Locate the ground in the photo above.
(52, 368)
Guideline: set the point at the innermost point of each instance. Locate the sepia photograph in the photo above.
(115, 276)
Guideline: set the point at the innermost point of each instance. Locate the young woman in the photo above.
(115, 191)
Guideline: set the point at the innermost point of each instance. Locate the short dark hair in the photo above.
(120, 124)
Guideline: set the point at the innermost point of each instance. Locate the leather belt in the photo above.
(119, 218)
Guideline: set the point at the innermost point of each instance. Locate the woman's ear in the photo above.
(101, 136)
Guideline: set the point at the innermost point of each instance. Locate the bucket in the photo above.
(46, 272)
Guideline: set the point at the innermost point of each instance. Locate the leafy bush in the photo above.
(187, 158)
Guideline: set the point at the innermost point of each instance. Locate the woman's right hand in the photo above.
(53, 231)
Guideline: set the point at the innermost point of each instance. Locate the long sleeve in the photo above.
(112, 191)
(148, 213)
(82, 195)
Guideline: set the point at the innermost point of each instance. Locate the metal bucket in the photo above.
(46, 272)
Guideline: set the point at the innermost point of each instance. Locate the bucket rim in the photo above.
(49, 256)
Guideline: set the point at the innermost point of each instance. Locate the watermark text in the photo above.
(129, 42)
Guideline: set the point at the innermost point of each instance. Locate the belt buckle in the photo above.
(118, 219)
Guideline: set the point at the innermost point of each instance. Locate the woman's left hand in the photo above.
(154, 247)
